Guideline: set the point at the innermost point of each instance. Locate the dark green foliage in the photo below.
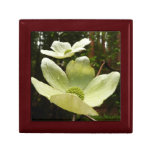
(105, 46)
(99, 118)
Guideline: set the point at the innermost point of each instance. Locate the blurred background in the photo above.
(104, 47)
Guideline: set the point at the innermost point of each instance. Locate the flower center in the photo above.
(67, 51)
(77, 91)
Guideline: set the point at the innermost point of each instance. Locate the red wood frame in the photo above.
(26, 125)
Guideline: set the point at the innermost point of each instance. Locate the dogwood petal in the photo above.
(78, 50)
(57, 54)
(80, 44)
(54, 75)
(50, 53)
(100, 88)
(61, 47)
(79, 72)
(72, 103)
(44, 89)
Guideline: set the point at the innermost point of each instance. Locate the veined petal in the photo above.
(50, 53)
(73, 104)
(80, 44)
(79, 72)
(100, 88)
(54, 75)
(78, 50)
(61, 47)
(44, 89)
(57, 55)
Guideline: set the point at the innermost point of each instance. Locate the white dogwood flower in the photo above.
(77, 90)
(62, 50)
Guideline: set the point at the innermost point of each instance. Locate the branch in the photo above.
(90, 118)
(74, 117)
(100, 68)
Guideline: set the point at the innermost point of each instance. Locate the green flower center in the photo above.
(77, 91)
(67, 51)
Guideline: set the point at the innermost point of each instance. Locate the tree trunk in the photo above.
(103, 42)
(119, 45)
(91, 53)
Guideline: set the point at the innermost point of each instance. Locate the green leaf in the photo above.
(72, 103)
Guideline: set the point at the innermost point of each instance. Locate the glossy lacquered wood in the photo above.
(26, 125)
